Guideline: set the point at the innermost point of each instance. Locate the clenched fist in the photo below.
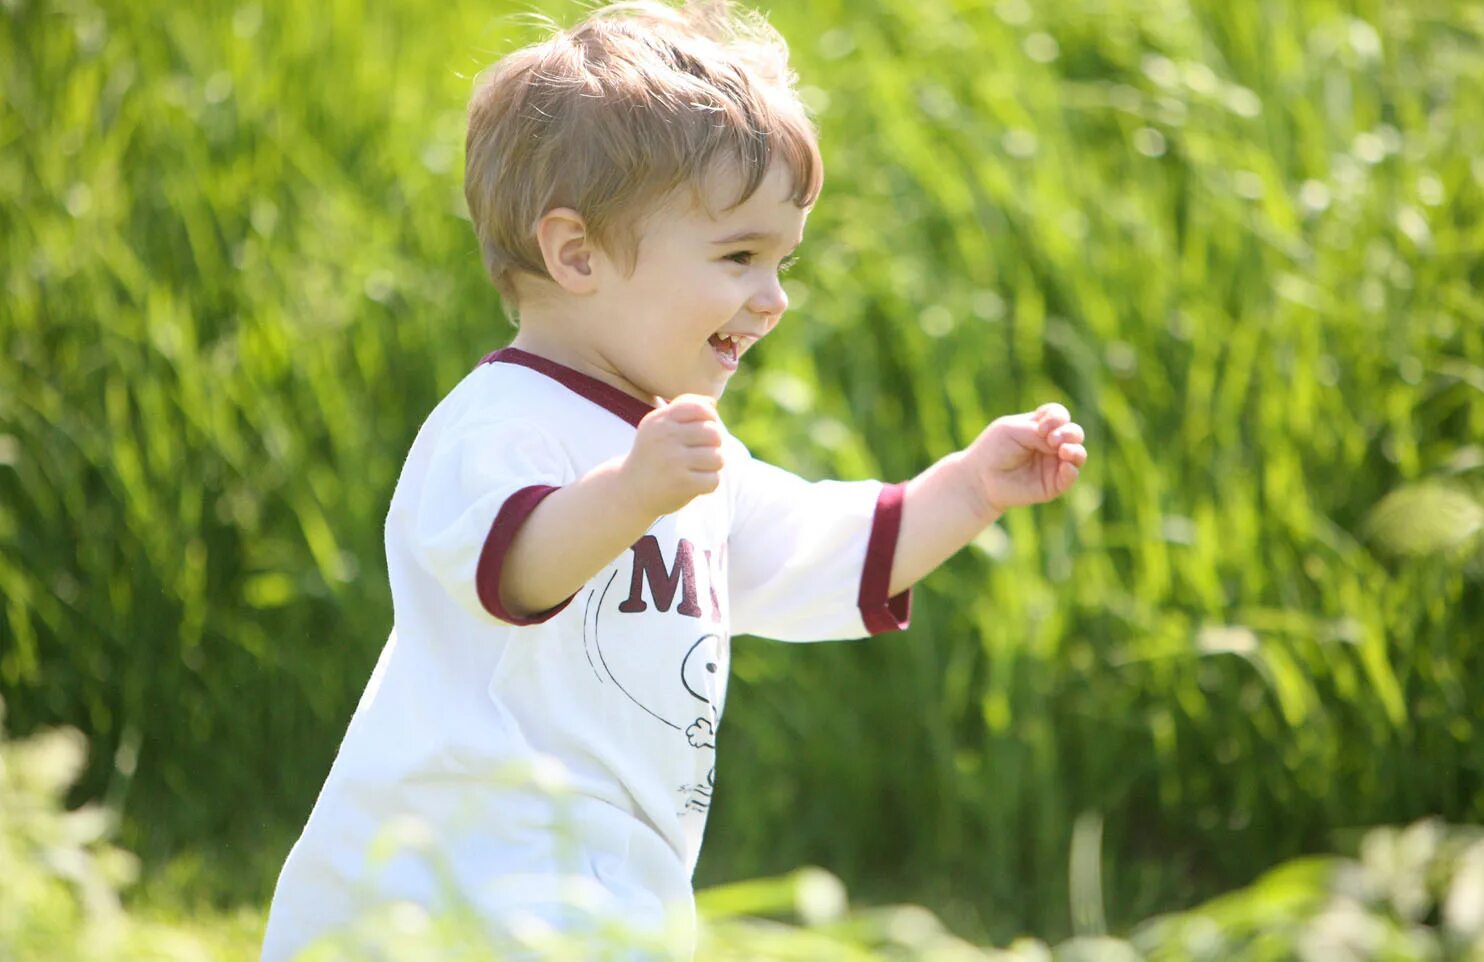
(676, 455)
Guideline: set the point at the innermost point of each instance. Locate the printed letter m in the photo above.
(649, 565)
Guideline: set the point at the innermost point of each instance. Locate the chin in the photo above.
(716, 390)
(708, 388)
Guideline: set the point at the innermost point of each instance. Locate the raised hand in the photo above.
(676, 455)
(1027, 458)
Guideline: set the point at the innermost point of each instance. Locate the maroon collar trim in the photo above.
(626, 406)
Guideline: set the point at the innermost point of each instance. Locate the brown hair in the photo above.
(612, 116)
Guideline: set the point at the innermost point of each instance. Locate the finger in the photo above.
(1021, 429)
(701, 434)
(706, 480)
(1028, 434)
(1073, 454)
(668, 417)
(1066, 476)
(1067, 433)
(692, 407)
(704, 459)
(1052, 416)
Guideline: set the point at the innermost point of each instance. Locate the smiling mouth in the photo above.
(728, 349)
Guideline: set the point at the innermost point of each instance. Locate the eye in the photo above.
(788, 262)
(741, 257)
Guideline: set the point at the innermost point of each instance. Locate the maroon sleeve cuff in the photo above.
(879, 612)
(512, 515)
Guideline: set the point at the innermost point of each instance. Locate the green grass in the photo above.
(1242, 242)
(1412, 894)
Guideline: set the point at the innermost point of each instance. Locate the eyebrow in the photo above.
(750, 235)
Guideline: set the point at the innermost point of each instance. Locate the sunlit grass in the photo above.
(60, 900)
(1413, 894)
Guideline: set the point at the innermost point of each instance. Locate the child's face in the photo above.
(695, 279)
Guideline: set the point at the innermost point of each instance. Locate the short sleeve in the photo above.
(482, 481)
(811, 561)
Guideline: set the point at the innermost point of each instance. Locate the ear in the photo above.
(567, 249)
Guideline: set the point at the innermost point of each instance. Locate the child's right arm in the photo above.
(582, 526)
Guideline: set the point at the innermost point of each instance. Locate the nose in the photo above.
(769, 300)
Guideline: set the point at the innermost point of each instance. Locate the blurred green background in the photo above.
(1241, 241)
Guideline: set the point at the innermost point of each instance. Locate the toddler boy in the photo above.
(575, 536)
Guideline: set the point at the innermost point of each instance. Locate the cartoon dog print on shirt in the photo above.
(688, 645)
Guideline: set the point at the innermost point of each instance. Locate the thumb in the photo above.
(692, 407)
(1025, 431)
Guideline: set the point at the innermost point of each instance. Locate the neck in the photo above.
(563, 340)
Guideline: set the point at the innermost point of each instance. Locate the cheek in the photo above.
(724, 289)
(710, 297)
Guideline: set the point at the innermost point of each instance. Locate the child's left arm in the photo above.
(1019, 459)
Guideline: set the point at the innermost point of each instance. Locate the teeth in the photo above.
(733, 343)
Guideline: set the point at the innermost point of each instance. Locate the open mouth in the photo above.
(727, 349)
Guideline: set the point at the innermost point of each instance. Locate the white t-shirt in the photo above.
(436, 794)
